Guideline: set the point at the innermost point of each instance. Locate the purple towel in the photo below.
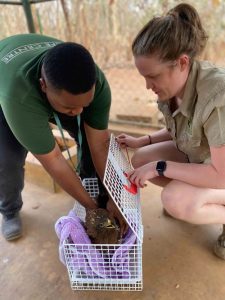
(120, 258)
(86, 258)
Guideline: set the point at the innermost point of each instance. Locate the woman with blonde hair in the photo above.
(187, 157)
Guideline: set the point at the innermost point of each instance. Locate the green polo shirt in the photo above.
(199, 122)
(26, 109)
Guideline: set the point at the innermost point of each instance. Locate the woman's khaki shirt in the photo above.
(199, 122)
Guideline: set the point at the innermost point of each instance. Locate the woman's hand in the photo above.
(143, 173)
(125, 140)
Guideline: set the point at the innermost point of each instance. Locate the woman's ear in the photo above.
(43, 84)
(184, 62)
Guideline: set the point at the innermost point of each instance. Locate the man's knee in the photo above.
(12, 171)
(12, 163)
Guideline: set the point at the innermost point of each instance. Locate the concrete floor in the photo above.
(178, 263)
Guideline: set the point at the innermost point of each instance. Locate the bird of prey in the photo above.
(101, 227)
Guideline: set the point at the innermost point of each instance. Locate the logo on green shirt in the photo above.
(26, 48)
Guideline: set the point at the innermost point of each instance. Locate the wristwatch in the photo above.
(161, 167)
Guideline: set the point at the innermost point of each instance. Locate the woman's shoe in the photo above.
(219, 248)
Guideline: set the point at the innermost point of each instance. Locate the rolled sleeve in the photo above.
(214, 126)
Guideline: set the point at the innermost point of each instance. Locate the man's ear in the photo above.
(43, 84)
(184, 62)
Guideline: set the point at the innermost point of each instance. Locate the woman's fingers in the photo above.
(121, 142)
(136, 178)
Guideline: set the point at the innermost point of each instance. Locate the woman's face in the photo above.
(165, 79)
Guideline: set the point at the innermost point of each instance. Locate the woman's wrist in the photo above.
(144, 140)
(148, 140)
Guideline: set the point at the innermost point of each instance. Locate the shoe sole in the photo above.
(14, 237)
(219, 252)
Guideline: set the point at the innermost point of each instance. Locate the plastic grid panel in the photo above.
(105, 272)
(115, 181)
(91, 186)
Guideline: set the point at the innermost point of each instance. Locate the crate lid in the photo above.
(125, 194)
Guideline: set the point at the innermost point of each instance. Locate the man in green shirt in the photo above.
(42, 77)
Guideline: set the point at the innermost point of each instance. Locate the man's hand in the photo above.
(59, 169)
(94, 205)
(115, 213)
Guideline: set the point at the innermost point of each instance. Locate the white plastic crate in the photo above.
(106, 266)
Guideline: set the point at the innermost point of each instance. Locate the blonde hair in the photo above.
(179, 31)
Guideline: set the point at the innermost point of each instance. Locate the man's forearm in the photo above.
(99, 157)
(56, 165)
(98, 141)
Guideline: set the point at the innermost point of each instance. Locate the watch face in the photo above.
(161, 167)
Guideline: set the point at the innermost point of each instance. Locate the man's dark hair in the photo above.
(69, 66)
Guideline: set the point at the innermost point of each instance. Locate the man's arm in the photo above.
(98, 141)
(57, 166)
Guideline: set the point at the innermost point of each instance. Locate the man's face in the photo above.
(65, 102)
